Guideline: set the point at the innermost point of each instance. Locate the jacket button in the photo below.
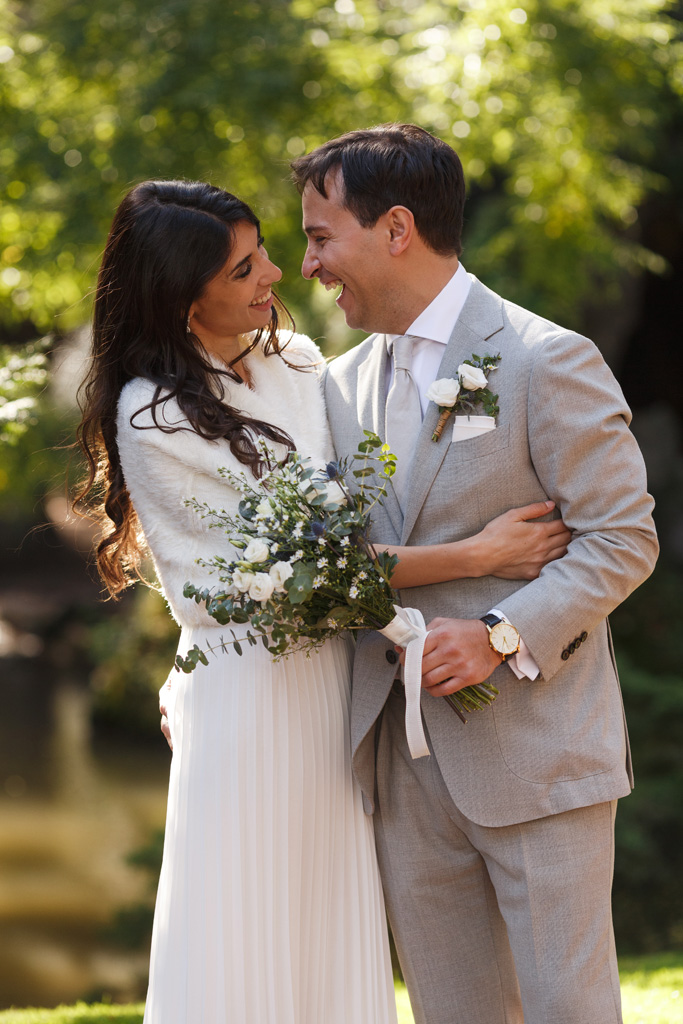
(584, 637)
(565, 655)
(391, 656)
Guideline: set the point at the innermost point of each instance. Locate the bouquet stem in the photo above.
(472, 698)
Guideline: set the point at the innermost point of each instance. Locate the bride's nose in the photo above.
(273, 273)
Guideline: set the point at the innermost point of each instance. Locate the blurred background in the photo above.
(568, 117)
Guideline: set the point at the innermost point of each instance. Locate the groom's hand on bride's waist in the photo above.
(456, 654)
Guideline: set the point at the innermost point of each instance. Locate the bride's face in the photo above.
(239, 298)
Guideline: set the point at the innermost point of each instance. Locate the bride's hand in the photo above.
(515, 548)
(164, 694)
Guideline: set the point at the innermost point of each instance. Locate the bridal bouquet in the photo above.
(305, 570)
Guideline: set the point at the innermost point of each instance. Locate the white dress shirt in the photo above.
(433, 329)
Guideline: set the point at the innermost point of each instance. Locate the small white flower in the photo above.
(264, 508)
(297, 555)
(298, 530)
(332, 623)
(353, 592)
(341, 563)
(318, 582)
(261, 587)
(242, 580)
(322, 542)
(344, 542)
(444, 392)
(472, 377)
(321, 563)
(279, 573)
(256, 551)
(362, 575)
(274, 548)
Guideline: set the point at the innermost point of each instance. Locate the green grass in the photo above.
(652, 991)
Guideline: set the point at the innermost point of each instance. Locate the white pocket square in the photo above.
(471, 426)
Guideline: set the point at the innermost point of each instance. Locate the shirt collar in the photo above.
(437, 321)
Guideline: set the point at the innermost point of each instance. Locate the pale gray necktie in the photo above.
(403, 413)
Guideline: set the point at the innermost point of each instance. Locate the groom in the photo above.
(496, 851)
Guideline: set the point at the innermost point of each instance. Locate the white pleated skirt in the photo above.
(269, 908)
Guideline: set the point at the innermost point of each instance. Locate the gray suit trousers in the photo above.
(542, 952)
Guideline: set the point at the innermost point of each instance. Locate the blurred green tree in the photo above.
(559, 110)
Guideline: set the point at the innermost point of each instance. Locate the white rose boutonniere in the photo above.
(472, 377)
(444, 391)
(465, 392)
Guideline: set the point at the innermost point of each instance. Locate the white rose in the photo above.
(330, 490)
(334, 495)
(256, 551)
(242, 580)
(261, 587)
(280, 572)
(264, 508)
(444, 392)
(472, 377)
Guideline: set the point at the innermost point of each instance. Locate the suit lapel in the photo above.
(481, 317)
(371, 398)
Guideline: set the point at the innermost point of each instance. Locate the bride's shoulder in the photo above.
(301, 351)
(143, 404)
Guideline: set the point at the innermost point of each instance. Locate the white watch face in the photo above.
(504, 638)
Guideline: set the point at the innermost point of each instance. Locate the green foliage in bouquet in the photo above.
(307, 569)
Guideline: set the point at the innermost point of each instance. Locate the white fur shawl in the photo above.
(162, 469)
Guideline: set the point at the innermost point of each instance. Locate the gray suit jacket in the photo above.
(559, 742)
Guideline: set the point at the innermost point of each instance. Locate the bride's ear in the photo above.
(400, 229)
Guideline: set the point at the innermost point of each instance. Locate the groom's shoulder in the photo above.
(530, 329)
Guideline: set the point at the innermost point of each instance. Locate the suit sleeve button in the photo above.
(391, 656)
(565, 654)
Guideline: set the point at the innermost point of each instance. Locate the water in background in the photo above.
(71, 810)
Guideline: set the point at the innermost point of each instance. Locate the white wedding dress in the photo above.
(269, 908)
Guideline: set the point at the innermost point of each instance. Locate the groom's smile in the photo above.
(341, 252)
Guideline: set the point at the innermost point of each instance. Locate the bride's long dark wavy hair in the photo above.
(167, 241)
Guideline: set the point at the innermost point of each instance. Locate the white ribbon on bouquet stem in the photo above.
(408, 630)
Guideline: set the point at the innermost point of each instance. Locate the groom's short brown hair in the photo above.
(394, 165)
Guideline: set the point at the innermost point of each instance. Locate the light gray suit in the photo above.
(545, 748)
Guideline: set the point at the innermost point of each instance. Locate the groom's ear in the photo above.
(400, 226)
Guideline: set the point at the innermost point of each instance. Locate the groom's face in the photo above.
(340, 252)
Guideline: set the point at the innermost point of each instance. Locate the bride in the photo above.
(270, 907)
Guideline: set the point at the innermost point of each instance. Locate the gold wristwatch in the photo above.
(504, 639)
